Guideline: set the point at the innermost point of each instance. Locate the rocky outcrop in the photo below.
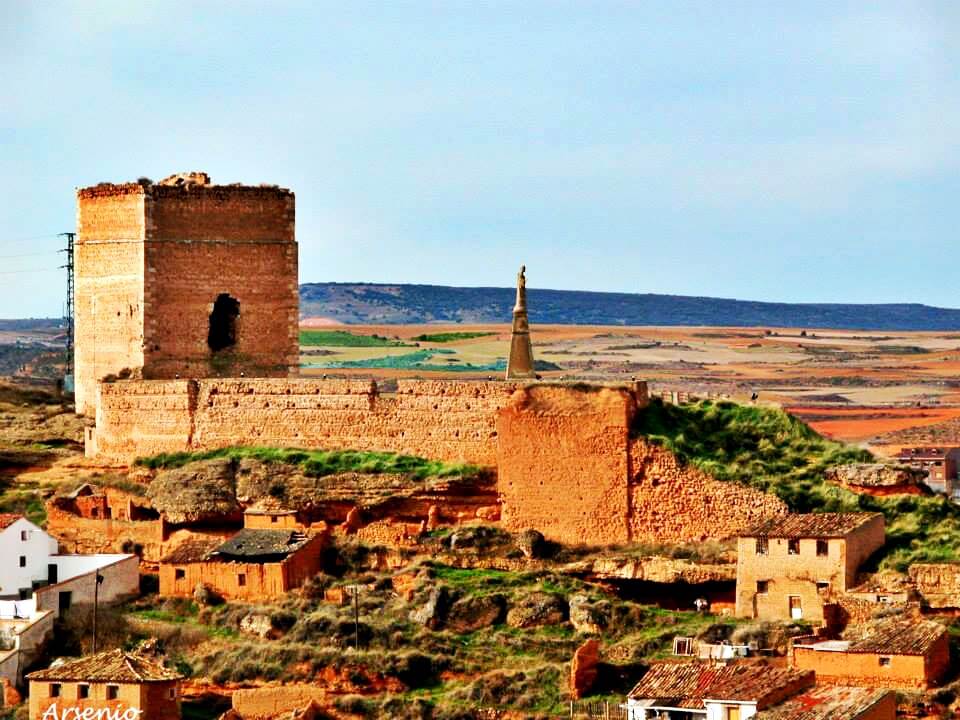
(653, 569)
(538, 609)
(876, 475)
(197, 492)
(583, 669)
(433, 611)
(474, 613)
(937, 583)
(587, 617)
(531, 543)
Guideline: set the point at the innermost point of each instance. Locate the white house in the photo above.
(25, 552)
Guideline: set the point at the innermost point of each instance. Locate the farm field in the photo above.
(882, 390)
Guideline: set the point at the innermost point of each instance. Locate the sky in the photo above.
(798, 152)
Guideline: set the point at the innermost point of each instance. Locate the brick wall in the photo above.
(150, 262)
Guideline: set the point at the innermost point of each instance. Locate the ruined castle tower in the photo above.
(184, 278)
(520, 363)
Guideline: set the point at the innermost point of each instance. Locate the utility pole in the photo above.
(96, 599)
(68, 360)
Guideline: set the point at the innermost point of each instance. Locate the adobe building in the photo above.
(120, 684)
(939, 463)
(907, 654)
(251, 565)
(793, 567)
(184, 278)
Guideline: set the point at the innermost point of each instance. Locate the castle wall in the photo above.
(563, 462)
(453, 421)
(109, 270)
(670, 501)
(208, 241)
(151, 260)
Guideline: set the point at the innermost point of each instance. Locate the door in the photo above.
(52, 573)
(733, 712)
(796, 610)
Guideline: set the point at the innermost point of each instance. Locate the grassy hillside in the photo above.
(772, 451)
(318, 463)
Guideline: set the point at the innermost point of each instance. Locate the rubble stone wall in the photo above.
(671, 502)
(937, 583)
(269, 702)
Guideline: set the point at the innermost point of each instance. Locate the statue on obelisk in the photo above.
(520, 364)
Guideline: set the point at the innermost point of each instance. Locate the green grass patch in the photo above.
(772, 451)
(451, 336)
(343, 338)
(318, 463)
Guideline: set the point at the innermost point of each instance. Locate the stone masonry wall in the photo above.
(453, 421)
(150, 262)
(670, 501)
(937, 583)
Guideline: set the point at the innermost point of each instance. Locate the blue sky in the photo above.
(799, 151)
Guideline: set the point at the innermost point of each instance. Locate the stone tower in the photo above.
(520, 363)
(184, 278)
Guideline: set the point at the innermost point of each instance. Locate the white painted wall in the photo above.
(23, 539)
(718, 710)
(70, 566)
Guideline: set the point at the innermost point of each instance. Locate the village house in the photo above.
(271, 514)
(121, 685)
(940, 464)
(793, 567)
(737, 691)
(908, 654)
(251, 565)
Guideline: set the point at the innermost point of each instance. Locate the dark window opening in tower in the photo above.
(223, 323)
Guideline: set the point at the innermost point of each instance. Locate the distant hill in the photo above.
(364, 303)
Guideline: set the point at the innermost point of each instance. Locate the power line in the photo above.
(31, 270)
(23, 255)
(14, 241)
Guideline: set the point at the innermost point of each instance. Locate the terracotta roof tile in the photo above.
(194, 549)
(110, 666)
(811, 525)
(8, 519)
(826, 703)
(901, 637)
(688, 684)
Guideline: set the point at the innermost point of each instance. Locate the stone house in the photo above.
(793, 567)
(125, 685)
(908, 654)
(251, 565)
(939, 463)
(738, 691)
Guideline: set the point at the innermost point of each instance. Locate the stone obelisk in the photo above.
(520, 364)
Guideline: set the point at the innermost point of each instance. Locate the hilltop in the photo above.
(361, 303)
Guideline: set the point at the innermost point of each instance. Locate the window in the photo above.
(884, 662)
(241, 579)
(762, 586)
(763, 546)
(54, 689)
(274, 518)
(23, 561)
(793, 547)
(223, 323)
(95, 512)
(23, 536)
(83, 691)
(179, 574)
(822, 586)
(823, 548)
(172, 693)
(113, 691)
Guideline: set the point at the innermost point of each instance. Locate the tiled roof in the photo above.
(688, 684)
(931, 453)
(825, 703)
(110, 666)
(901, 637)
(811, 525)
(250, 543)
(8, 519)
(194, 549)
